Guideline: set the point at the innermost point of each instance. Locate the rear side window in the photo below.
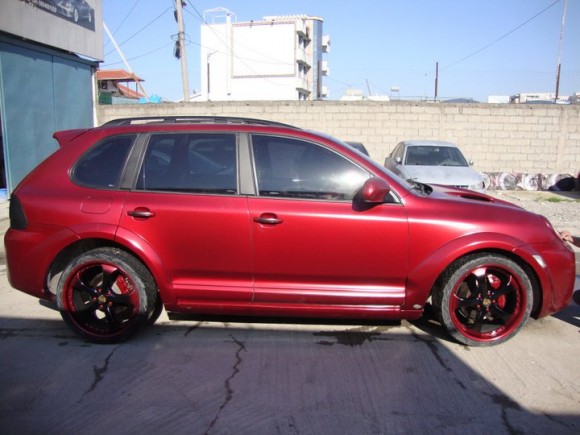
(194, 162)
(102, 166)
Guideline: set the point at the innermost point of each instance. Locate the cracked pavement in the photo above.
(223, 377)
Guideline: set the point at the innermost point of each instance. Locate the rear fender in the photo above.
(145, 252)
(103, 234)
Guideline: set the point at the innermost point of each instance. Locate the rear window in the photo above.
(102, 166)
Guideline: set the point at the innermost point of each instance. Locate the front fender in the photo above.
(423, 275)
(554, 265)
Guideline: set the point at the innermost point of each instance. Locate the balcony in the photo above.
(303, 30)
(326, 44)
(302, 85)
(301, 57)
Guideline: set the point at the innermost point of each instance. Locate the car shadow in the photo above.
(570, 314)
(569, 194)
(212, 377)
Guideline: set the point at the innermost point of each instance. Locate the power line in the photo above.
(501, 37)
(142, 29)
(239, 58)
(274, 60)
(126, 17)
(141, 55)
(122, 22)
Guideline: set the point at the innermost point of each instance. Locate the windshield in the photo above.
(420, 155)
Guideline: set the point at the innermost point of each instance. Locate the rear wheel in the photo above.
(483, 299)
(106, 295)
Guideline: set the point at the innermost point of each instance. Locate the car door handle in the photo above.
(268, 219)
(141, 212)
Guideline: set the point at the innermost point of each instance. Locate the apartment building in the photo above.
(276, 58)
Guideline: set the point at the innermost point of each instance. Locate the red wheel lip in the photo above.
(515, 319)
(68, 304)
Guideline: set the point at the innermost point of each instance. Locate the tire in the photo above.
(157, 310)
(483, 299)
(106, 295)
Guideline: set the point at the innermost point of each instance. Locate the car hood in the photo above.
(495, 215)
(445, 192)
(447, 175)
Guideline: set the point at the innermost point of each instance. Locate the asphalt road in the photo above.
(222, 377)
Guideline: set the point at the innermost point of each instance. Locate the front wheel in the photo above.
(483, 299)
(106, 295)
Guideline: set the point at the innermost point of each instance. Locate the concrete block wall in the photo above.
(535, 139)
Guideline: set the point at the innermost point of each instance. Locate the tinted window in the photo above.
(298, 169)
(199, 163)
(103, 164)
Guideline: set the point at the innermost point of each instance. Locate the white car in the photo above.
(434, 162)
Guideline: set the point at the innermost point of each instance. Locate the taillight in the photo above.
(18, 219)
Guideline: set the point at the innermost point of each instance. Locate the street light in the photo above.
(208, 73)
(559, 65)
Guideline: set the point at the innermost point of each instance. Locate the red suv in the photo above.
(248, 217)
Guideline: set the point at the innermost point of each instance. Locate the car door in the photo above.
(312, 244)
(186, 208)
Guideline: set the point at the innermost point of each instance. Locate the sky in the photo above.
(482, 47)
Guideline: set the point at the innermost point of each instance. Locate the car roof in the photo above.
(213, 120)
(433, 143)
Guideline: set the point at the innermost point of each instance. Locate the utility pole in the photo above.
(181, 47)
(559, 65)
(436, 80)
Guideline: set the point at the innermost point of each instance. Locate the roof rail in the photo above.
(193, 120)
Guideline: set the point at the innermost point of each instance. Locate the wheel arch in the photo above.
(526, 267)
(86, 244)
(466, 303)
(423, 278)
(107, 294)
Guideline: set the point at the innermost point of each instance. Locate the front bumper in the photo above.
(555, 266)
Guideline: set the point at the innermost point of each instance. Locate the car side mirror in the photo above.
(398, 160)
(471, 163)
(374, 191)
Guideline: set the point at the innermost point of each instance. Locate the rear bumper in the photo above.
(29, 254)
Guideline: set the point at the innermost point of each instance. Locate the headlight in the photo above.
(477, 186)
